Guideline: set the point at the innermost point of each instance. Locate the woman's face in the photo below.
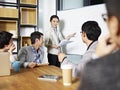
(54, 22)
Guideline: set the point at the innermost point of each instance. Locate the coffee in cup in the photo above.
(67, 74)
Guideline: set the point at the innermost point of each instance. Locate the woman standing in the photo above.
(54, 41)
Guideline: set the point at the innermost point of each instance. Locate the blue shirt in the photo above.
(37, 54)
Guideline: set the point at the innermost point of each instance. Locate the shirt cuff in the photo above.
(26, 64)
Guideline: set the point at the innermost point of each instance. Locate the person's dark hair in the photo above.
(92, 30)
(54, 16)
(113, 10)
(5, 38)
(35, 35)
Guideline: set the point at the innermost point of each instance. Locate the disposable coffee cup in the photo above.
(67, 74)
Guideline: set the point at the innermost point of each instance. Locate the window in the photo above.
(72, 4)
(92, 2)
(69, 4)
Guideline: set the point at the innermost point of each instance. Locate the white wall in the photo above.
(46, 9)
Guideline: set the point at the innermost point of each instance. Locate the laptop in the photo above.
(4, 63)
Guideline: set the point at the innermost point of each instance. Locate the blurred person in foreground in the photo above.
(104, 72)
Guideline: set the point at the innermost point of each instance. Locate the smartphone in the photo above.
(49, 77)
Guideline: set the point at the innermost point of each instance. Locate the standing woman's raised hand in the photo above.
(70, 36)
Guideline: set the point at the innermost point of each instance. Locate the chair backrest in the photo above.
(4, 63)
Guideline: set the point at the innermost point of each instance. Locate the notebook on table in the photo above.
(4, 63)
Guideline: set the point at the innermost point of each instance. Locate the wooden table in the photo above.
(26, 79)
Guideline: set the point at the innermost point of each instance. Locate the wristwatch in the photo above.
(64, 58)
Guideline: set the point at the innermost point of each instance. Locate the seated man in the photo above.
(104, 72)
(90, 34)
(31, 56)
(7, 45)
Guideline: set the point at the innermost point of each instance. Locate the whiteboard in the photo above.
(72, 20)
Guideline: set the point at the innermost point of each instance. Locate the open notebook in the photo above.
(4, 64)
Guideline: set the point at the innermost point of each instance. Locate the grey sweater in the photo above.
(26, 55)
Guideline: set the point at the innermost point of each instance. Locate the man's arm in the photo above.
(77, 68)
(22, 57)
(63, 59)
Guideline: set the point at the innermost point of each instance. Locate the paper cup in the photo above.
(67, 74)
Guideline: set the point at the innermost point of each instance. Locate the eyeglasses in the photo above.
(105, 17)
